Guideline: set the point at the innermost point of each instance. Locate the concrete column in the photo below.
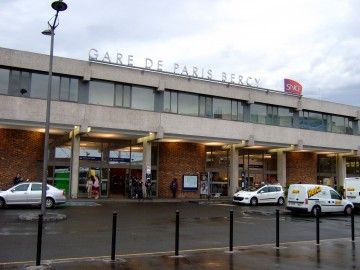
(75, 154)
(340, 170)
(146, 161)
(281, 168)
(234, 170)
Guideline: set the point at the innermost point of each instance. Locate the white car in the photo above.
(264, 194)
(29, 193)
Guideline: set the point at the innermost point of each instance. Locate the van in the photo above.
(352, 190)
(316, 199)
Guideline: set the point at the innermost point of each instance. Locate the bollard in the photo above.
(113, 239)
(231, 230)
(317, 228)
(277, 228)
(39, 240)
(177, 234)
(352, 225)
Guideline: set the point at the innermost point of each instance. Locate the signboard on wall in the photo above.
(190, 183)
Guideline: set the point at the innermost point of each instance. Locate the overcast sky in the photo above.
(316, 43)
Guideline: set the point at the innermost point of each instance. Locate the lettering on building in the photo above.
(178, 69)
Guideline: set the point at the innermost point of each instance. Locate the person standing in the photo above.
(148, 188)
(89, 187)
(96, 187)
(174, 187)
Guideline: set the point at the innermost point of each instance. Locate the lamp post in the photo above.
(52, 23)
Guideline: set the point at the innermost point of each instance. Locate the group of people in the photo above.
(136, 188)
(93, 187)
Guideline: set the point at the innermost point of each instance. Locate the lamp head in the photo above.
(59, 5)
(47, 32)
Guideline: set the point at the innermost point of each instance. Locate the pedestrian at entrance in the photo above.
(96, 186)
(148, 188)
(174, 187)
(89, 187)
(139, 189)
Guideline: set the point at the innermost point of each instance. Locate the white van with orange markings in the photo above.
(316, 199)
(352, 190)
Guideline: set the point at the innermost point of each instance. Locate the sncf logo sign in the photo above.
(292, 87)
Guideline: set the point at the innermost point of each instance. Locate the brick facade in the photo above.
(175, 160)
(20, 152)
(301, 167)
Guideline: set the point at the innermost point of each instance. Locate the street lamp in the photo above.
(52, 23)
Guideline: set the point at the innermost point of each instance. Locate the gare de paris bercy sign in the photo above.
(183, 70)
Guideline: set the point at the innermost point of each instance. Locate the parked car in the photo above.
(352, 190)
(314, 199)
(264, 194)
(29, 193)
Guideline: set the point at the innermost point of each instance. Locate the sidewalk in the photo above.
(330, 254)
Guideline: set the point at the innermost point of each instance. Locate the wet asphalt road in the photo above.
(149, 227)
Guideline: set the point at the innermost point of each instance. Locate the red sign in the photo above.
(292, 87)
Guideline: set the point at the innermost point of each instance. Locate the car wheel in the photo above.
(316, 211)
(281, 201)
(348, 210)
(254, 201)
(49, 202)
(2, 203)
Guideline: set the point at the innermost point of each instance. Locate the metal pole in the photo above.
(177, 234)
(277, 228)
(231, 229)
(47, 120)
(352, 226)
(113, 240)
(39, 240)
(317, 229)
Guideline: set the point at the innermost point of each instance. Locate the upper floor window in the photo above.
(4, 81)
(258, 113)
(101, 93)
(312, 120)
(142, 98)
(222, 108)
(188, 104)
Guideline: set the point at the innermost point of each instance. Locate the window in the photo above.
(285, 117)
(74, 89)
(337, 124)
(312, 120)
(23, 187)
(167, 101)
(36, 187)
(188, 104)
(4, 81)
(240, 111)
(258, 113)
(335, 195)
(264, 190)
(122, 95)
(39, 85)
(55, 88)
(101, 93)
(19, 80)
(142, 98)
(222, 108)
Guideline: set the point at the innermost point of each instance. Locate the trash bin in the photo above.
(61, 180)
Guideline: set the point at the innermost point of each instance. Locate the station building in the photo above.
(123, 122)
